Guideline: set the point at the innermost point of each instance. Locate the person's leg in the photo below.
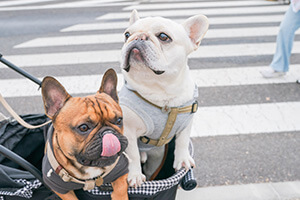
(284, 42)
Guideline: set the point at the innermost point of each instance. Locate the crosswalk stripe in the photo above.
(209, 121)
(119, 37)
(190, 12)
(96, 26)
(73, 84)
(22, 2)
(247, 119)
(239, 76)
(79, 4)
(215, 120)
(73, 40)
(212, 21)
(243, 32)
(232, 50)
(203, 78)
(184, 5)
(85, 57)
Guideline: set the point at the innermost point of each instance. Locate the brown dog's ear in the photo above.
(133, 17)
(109, 84)
(54, 96)
(196, 27)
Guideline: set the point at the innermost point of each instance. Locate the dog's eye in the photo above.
(164, 37)
(127, 35)
(119, 121)
(83, 128)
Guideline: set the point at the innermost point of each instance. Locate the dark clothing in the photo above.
(55, 182)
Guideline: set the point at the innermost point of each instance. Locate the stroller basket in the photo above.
(22, 179)
(21, 153)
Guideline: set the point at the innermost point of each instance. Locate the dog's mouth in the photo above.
(103, 151)
(137, 52)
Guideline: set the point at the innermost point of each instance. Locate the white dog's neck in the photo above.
(162, 91)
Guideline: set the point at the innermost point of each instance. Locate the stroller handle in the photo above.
(22, 162)
(19, 70)
(188, 182)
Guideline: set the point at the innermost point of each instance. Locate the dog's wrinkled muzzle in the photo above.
(110, 145)
(138, 51)
(104, 148)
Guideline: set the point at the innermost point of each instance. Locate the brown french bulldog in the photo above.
(85, 146)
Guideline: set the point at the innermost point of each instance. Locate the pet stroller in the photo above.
(22, 150)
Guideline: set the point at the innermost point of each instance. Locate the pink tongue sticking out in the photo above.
(110, 145)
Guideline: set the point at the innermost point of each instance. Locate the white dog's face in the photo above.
(157, 48)
(152, 44)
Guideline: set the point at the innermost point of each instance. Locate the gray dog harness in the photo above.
(175, 119)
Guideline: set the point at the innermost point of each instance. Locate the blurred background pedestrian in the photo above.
(284, 42)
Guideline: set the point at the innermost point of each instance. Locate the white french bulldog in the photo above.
(154, 65)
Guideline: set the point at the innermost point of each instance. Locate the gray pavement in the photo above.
(262, 191)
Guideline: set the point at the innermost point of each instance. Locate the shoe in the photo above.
(271, 73)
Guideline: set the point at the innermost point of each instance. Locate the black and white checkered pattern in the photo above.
(26, 191)
(148, 188)
(152, 187)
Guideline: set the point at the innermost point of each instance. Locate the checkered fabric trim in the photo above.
(98, 191)
(153, 187)
(148, 188)
(25, 192)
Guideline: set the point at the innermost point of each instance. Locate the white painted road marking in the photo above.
(22, 2)
(203, 78)
(246, 119)
(79, 4)
(212, 21)
(208, 121)
(193, 5)
(119, 37)
(85, 57)
(206, 11)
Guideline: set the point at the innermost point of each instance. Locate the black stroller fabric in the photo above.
(17, 183)
(28, 143)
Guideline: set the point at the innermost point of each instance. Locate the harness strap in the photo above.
(66, 177)
(18, 118)
(172, 115)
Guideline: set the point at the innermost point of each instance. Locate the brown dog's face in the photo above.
(88, 130)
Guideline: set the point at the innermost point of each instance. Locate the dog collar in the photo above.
(66, 177)
(172, 115)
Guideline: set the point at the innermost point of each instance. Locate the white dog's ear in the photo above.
(133, 17)
(196, 27)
